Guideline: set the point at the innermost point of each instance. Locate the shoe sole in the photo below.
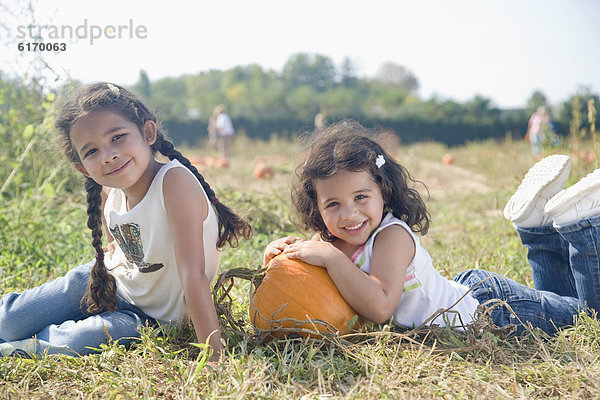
(539, 177)
(567, 197)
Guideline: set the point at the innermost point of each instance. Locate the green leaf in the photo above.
(352, 321)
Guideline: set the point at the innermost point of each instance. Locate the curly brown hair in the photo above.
(349, 146)
(101, 293)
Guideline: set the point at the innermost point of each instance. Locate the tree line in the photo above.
(263, 103)
(267, 102)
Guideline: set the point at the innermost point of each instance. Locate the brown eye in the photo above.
(89, 153)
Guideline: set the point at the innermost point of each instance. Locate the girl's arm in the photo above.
(374, 296)
(187, 208)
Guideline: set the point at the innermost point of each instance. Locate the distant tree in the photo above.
(266, 94)
(537, 99)
(142, 86)
(169, 95)
(234, 76)
(448, 111)
(316, 71)
(397, 76)
(340, 101)
(204, 92)
(324, 72)
(390, 87)
(347, 74)
(480, 110)
(238, 94)
(303, 100)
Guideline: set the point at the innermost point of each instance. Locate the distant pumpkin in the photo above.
(263, 171)
(293, 293)
(221, 163)
(448, 159)
(210, 161)
(197, 162)
(591, 157)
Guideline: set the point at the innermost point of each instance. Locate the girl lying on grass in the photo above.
(165, 228)
(366, 215)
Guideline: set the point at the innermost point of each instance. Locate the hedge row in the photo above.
(409, 130)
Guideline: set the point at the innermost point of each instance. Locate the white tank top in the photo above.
(425, 290)
(144, 262)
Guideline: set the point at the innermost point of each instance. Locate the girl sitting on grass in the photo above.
(165, 228)
(366, 214)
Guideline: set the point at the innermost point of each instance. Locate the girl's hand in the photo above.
(276, 247)
(313, 252)
(110, 249)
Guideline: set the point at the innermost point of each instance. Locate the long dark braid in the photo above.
(231, 225)
(101, 294)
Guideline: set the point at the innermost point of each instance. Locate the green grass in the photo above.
(43, 234)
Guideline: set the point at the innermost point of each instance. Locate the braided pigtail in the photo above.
(101, 294)
(231, 225)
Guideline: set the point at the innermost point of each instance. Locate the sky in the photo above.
(502, 50)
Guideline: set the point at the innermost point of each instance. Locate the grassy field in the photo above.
(42, 214)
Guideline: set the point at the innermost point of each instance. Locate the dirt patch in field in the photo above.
(239, 176)
(441, 179)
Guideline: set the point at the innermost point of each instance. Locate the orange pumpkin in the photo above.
(221, 163)
(591, 157)
(263, 171)
(294, 293)
(210, 161)
(448, 159)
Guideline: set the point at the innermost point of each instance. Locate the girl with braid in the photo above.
(164, 226)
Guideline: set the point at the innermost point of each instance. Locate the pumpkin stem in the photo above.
(223, 301)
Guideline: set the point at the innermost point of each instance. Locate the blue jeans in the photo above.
(53, 314)
(566, 259)
(536, 143)
(565, 265)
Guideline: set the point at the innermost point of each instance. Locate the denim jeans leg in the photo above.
(548, 255)
(52, 313)
(584, 254)
(542, 309)
(22, 315)
(86, 336)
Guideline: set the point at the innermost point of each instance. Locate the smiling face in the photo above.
(113, 151)
(350, 204)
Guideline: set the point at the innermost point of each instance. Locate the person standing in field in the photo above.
(224, 130)
(537, 125)
(164, 225)
(319, 122)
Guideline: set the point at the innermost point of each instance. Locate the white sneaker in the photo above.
(582, 200)
(18, 348)
(546, 178)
